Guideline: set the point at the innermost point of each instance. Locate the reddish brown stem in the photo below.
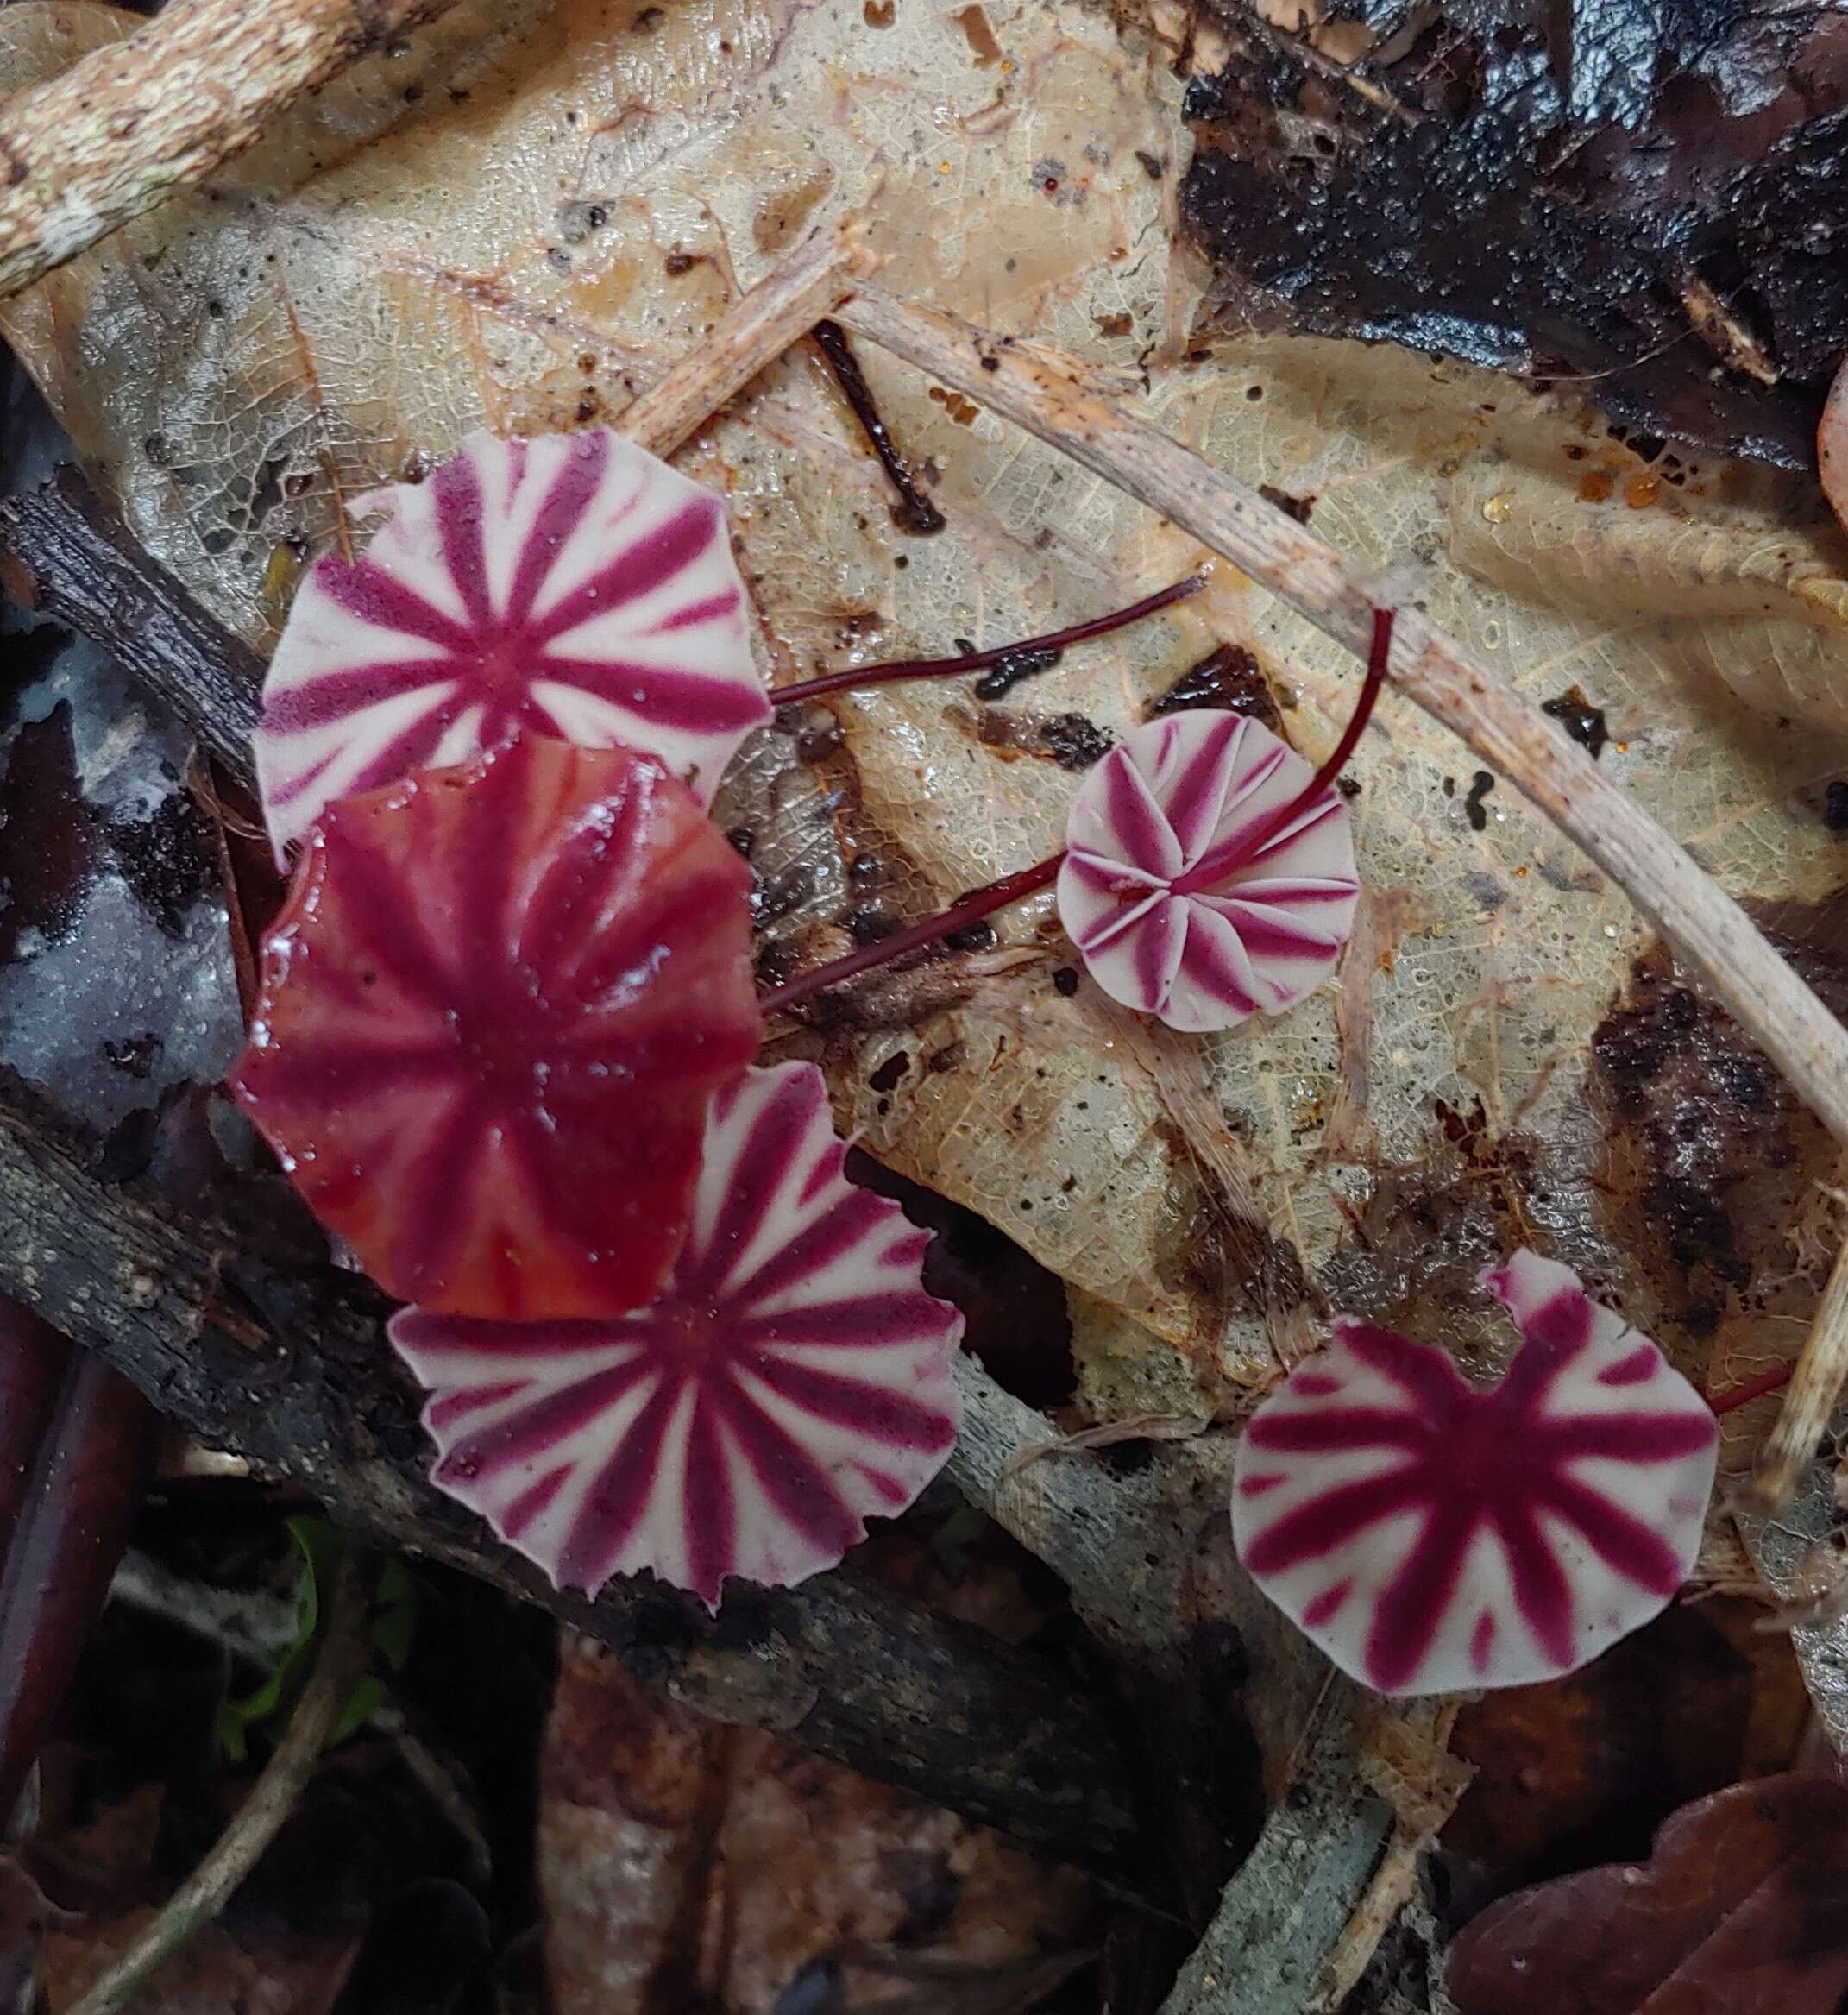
(1753, 1388)
(1010, 888)
(972, 908)
(1213, 866)
(33, 1358)
(74, 1500)
(1053, 641)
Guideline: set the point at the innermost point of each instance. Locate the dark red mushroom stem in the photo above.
(970, 909)
(983, 902)
(1047, 647)
(1753, 1388)
(1210, 869)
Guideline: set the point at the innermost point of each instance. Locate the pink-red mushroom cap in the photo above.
(1185, 897)
(1431, 1536)
(491, 1016)
(572, 585)
(791, 1380)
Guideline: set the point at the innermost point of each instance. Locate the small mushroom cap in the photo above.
(792, 1379)
(572, 585)
(1430, 1536)
(1178, 903)
(491, 1016)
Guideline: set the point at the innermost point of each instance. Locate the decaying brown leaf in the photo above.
(685, 1864)
(1739, 1909)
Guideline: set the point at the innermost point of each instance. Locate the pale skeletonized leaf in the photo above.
(549, 221)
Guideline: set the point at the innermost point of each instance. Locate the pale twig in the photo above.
(1107, 1434)
(205, 1892)
(128, 124)
(1810, 1401)
(800, 290)
(1050, 396)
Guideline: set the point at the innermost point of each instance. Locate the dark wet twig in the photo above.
(914, 511)
(65, 554)
(72, 1490)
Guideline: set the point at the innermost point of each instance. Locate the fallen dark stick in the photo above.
(285, 1363)
(65, 555)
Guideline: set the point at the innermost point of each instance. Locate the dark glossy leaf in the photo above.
(1742, 1910)
(1645, 197)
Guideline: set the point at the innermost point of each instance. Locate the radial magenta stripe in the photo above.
(1205, 961)
(1160, 947)
(1326, 1521)
(769, 1149)
(342, 692)
(848, 1402)
(532, 1502)
(1412, 1607)
(1192, 800)
(694, 613)
(1136, 816)
(538, 1429)
(1542, 1596)
(1265, 934)
(1553, 1337)
(1624, 1544)
(1426, 1376)
(650, 563)
(817, 1246)
(1641, 1438)
(457, 1405)
(712, 1531)
(852, 1321)
(788, 1474)
(1118, 923)
(573, 489)
(366, 589)
(456, 492)
(682, 699)
(613, 1507)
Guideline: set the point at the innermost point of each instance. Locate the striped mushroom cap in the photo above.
(1182, 900)
(792, 1378)
(572, 585)
(1431, 1536)
(491, 1014)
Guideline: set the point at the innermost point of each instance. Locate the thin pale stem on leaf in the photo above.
(1049, 646)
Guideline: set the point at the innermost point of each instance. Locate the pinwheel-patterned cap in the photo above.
(1430, 1536)
(572, 585)
(492, 1015)
(1185, 897)
(792, 1379)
